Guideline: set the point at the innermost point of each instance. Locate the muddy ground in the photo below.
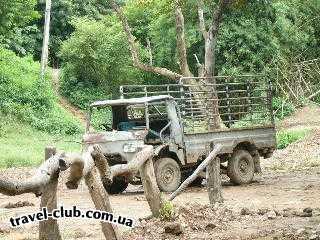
(282, 203)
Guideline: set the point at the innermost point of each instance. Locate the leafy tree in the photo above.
(95, 61)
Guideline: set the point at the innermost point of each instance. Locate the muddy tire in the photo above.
(241, 167)
(197, 182)
(119, 184)
(168, 174)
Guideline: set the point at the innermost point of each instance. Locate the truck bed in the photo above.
(198, 144)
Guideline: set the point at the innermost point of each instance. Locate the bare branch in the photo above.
(181, 42)
(149, 51)
(199, 65)
(135, 52)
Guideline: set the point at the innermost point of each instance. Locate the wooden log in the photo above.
(102, 165)
(196, 173)
(35, 184)
(135, 164)
(214, 181)
(150, 187)
(49, 229)
(80, 166)
(101, 202)
(76, 173)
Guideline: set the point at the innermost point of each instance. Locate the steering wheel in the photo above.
(106, 127)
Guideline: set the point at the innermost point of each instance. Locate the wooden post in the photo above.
(49, 230)
(214, 181)
(101, 202)
(46, 35)
(150, 187)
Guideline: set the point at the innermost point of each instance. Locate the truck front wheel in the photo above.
(168, 174)
(241, 167)
(118, 185)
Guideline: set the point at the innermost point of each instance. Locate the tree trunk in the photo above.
(214, 181)
(49, 229)
(46, 35)
(150, 187)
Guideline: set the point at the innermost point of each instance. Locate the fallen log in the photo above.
(215, 151)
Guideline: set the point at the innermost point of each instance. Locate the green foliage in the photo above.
(63, 11)
(167, 212)
(285, 138)
(16, 17)
(96, 61)
(22, 145)
(282, 107)
(23, 96)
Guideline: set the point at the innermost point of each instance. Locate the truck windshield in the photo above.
(131, 117)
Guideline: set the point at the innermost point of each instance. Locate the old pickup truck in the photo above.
(177, 120)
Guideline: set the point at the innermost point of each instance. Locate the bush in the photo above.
(96, 61)
(28, 99)
(285, 138)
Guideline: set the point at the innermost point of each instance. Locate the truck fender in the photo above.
(159, 148)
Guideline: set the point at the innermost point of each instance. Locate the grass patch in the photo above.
(284, 138)
(21, 145)
(167, 211)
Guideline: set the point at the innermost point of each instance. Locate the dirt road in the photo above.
(273, 190)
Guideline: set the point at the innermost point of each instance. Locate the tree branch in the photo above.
(202, 24)
(181, 42)
(135, 52)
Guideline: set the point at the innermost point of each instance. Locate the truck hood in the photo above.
(92, 138)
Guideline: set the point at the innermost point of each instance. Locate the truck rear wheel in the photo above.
(119, 184)
(241, 167)
(168, 174)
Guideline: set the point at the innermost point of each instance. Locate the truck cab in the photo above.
(135, 122)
